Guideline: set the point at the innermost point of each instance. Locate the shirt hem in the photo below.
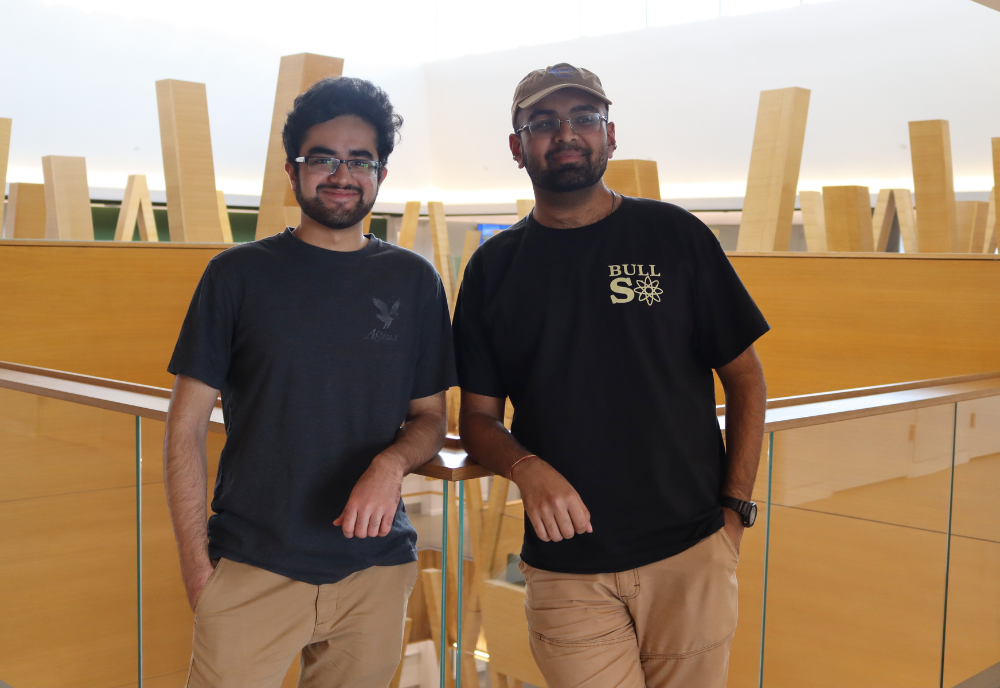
(307, 577)
(622, 563)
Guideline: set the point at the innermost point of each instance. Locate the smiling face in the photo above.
(337, 201)
(565, 161)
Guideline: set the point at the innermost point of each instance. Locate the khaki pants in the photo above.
(250, 623)
(665, 625)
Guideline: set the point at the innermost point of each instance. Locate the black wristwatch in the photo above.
(747, 510)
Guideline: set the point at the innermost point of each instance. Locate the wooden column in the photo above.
(907, 219)
(637, 178)
(136, 206)
(848, 215)
(408, 225)
(524, 206)
(934, 186)
(192, 204)
(5, 125)
(991, 224)
(296, 74)
(813, 220)
(774, 170)
(25, 212)
(442, 251)
(224, 224)
(885, 213)
(67, 199)
(970, 225)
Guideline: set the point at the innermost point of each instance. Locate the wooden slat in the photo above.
(442, 250)
(813, 220)
(408, 225)
(848, 215)
(188, 167)
(67, 198)
(25, 218)
(885, 212)
(907, 219)
(934, 185)
(5, 127)
(227, 228)
(136, 207)
(991, 224)
(524, 206)
(775, 158)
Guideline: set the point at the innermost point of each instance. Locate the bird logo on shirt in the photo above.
(385, 314)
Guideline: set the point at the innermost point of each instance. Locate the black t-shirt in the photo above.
(317, 354)
(604, 337)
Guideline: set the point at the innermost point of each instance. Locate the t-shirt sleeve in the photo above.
(478, 368)
(728, 320)
(436, 358)
(204, 346)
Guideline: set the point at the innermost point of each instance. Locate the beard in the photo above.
(568, 177)
(337, 217)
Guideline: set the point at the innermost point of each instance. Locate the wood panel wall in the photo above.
(115, 309)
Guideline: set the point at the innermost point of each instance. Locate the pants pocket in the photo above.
(211, 579)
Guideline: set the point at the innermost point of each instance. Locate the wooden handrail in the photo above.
(783, 413)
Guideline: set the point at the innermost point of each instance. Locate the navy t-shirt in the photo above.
(604, 337)
(317, 354)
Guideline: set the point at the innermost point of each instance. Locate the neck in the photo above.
(350, 239)
(569, 209)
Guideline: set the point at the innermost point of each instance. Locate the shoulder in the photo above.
(499, 249)
(249, 255)
(402, 259)
(670, 222)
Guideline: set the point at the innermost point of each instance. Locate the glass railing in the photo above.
(875, 560)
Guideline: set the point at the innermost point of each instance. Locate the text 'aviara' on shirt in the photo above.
(604, 337)
(317, 354)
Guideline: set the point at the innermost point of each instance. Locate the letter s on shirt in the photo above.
(621, 286)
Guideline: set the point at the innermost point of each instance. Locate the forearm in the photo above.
(185, 475)
(489, 442)
(746, 401)
(420, 438)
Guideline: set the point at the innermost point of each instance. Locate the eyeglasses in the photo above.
(544, 127)
(359, 169)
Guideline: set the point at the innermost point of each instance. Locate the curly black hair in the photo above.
(335, 96)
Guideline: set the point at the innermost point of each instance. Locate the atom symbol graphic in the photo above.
(648, 290)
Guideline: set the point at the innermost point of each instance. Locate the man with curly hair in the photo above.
(602, 317)
(332, 351)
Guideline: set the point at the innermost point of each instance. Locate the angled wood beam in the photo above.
(848, 215)
(67, 199)
(774, 170)
(885, 213)
(136, 207)
(637, 178)
(25, 217)
(408, 225)
(224, 223)
(970, 224)
(813, 220)
(907, 219)
(991, 224)
(442, 251)
(934, 186)
(296, 74)
(5, 126)
(192, 203)
(472, 239)
(524, 206)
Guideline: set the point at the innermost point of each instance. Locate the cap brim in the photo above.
(535, 97)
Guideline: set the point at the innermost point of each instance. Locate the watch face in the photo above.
(753, 514)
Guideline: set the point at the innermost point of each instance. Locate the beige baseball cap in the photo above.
(542, 82)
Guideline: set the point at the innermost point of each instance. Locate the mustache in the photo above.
(568, 147)
(344, 187)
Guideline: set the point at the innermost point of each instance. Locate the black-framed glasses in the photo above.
(326, 165)
(544, 127)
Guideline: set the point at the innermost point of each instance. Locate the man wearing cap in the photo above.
(602, 317)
